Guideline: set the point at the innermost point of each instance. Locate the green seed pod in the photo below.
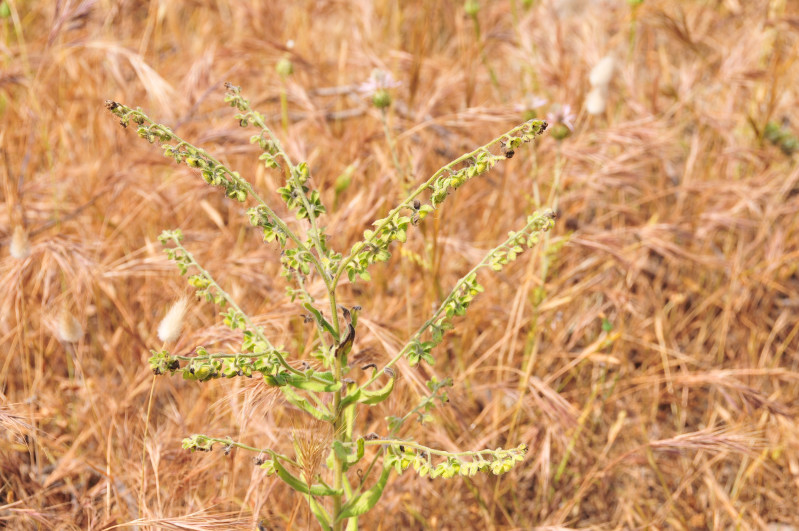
(472, 7)
(560, 132)
(284, 67)
(202, 372)
(381, 99)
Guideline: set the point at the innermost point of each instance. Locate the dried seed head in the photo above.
(602, 74)
(172, 323)
(69, 329)
(596, 100)
(20, 244)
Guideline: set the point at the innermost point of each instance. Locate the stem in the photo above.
(284, 109)
(391, 145)
(339, 434)
(144, 444)
(483, 55)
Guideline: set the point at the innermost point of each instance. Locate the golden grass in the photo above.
(678, 228)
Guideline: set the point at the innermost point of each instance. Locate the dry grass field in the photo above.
(647, 350)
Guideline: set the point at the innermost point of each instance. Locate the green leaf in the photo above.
(364, 502)
(351, 398)
(275, 380)
(346, 455)
(300, 486)
(341, 451)
(304, 405)
(301, 382)
(375, 397)
(360, 448)
(394, 423)
(321, 515)
(321, 320)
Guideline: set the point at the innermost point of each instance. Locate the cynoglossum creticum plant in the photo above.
(329, 393)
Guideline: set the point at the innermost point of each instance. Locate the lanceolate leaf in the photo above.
(300, 486)
(375, 397)
(365, 501)
(304, 405)
(301, 382)
(321, 515)
(321, 320)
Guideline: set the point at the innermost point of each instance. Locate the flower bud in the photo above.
(381, 98)
(560, 131)
(472, 7)
(284, 67)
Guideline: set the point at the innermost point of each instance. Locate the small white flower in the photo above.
(562, 114)
(529, 103)
(602, 74)
(596, 100)
(378, 80)
(172, 323)
(20, 247)
(69, 329)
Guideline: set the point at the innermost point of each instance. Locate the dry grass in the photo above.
(678, 227)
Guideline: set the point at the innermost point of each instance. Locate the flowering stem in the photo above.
(431, 451)
(254, 329)
(126, 113)
(421, 188)
(232, 443)
(391, 144)
(485, 262)
(257, 119)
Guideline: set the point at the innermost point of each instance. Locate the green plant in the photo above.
(328, 392)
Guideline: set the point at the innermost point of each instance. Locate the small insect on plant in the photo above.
(329, 393)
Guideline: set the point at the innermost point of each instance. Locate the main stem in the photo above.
(338, 434)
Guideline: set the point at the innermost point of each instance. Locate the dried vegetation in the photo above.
(647, 354)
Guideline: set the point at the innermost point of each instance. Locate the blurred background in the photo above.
(646, 350)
